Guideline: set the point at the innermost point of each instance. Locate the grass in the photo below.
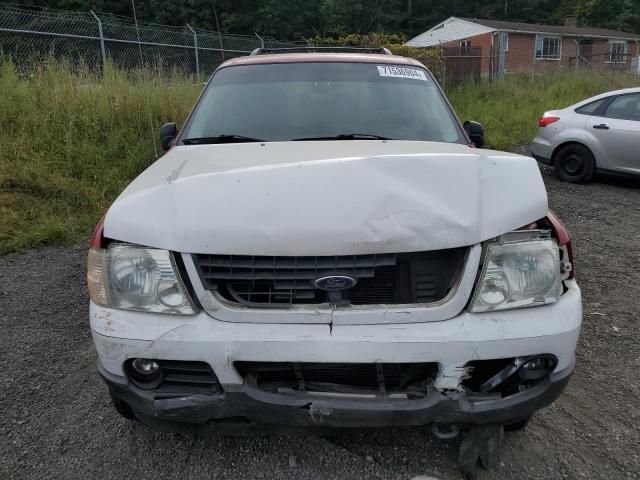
(510, 109)
(71, 141)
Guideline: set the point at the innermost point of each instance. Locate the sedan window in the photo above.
(625, 107)
(591, 108)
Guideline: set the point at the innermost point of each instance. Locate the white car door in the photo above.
(618, 133)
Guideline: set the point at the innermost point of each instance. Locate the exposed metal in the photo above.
(379, 378)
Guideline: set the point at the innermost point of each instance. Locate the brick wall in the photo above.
(520, 54)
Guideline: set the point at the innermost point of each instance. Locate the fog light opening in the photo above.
(508, 376)
(445, 431)
(537, 366)
(144, 372)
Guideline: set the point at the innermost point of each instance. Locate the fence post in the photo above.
(259, 38)
(195, 49)
(443, 67)
(104, 52)
(502, 44)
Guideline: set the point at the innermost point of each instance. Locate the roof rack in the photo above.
(265, 51)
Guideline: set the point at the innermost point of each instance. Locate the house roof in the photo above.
(459, 28)
(451, 29)
(553, 29)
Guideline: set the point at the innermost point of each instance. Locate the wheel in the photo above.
(575, 164)
(517, 426)
(122, 407)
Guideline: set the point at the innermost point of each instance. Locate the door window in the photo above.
(625, 107)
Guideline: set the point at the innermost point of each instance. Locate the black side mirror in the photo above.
(475, 131)
(168, 134)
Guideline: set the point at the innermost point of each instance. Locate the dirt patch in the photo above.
(57, 421)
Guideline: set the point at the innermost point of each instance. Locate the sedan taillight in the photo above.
(544, 121)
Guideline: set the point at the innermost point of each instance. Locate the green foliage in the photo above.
(374, 39)
(71, 142)
(294, 19)
(432, 58)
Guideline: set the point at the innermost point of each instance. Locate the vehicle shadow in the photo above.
(618, 180)
(393, 453)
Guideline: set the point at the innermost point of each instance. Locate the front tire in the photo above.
(574, 164)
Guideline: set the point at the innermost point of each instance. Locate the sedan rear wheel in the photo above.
(575, 164)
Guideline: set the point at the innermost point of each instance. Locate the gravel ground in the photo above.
(57, 421)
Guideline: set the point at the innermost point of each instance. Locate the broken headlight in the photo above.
(518, 274)
(137, 278)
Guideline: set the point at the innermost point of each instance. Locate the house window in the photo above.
(465, 45)
(504, 38)
(548, 48)
(617, 52)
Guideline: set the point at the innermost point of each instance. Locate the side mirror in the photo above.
(475, 131)
(168, 134)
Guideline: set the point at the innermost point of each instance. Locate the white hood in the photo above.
(326, 198)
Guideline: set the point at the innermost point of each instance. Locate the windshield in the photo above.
(302, 101)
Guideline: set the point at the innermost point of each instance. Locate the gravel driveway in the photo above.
(57, 421)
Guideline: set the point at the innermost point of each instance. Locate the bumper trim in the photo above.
(252, 410)
(542, 159)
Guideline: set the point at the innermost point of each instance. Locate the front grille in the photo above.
(180, 378)
(340, 377)
(263, 281)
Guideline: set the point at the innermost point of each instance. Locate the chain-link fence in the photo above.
(93, 39)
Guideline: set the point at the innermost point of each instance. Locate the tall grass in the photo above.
(510, 109)
(71, 141)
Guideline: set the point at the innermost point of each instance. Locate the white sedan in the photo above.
(600, 134)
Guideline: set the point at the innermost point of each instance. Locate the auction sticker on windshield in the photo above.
(401, 72)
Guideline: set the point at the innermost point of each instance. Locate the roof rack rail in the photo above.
(265, 51)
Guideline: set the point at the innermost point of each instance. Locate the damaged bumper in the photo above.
(450, 345)
(252, 409)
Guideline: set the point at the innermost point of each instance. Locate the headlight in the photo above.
(518, 274)
(137, 278)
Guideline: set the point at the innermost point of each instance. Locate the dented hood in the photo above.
(327, 198)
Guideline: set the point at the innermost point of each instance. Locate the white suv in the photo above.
(323, 246)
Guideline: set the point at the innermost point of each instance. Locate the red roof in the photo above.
(322, 57)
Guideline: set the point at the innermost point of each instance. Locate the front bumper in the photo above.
(253, 410)
(553, 329)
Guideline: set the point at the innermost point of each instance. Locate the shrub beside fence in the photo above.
(432, 57)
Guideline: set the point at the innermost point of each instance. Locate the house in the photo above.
(528, 46)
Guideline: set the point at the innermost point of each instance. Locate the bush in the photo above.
(431, 58)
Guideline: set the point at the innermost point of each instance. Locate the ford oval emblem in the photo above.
(335, 282)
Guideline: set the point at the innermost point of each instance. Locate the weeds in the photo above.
(510, 109)
(71, 141)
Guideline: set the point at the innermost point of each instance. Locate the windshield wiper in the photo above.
(220, 139)
(346, 136)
